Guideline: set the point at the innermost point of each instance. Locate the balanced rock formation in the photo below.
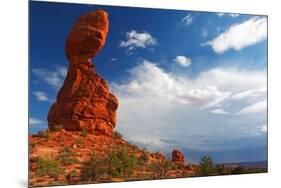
(177, 156)
(84, 101)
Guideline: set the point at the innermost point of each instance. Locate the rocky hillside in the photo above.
(72, 157)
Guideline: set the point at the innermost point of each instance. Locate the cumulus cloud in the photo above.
(187, 20)
(239, 36)
(41, 96)
(136, 39)
(34, 121)
(208, 89)
(161, 110)
(183, 61)
(260, 106)
(53, 77)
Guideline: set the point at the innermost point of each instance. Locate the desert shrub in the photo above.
(121, 163)
(134, 147)
(94, 168)
(31, 145)
(44, 134)
(206, 167)
(239, 170)
(223, 170)
(48, 166)
(160, 169)
(158, 155)
(71, 175)
(84, 132)
(57, 127)
(118, 135)
(117, 163)
(67, 157)
(144, 157)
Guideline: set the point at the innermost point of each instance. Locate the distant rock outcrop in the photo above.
(84, 101)
(177, 156)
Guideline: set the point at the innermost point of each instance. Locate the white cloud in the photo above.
(219, 111)
(52, 77)
(234, 15)
(239, 36)
(208, 89)
(187, 20)
(263, 128)
(136, 39)
(220, 14)
(260, 106)
(180, 108)
(34, 121)
(256, 131)
(41, 96)
(183, 61)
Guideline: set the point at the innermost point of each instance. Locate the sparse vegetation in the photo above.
(70, 176)
(206, 167)
(84, 132)
(121, 163)
(48, 166)
(44, 134)
(144, 157)
(158, 155)
(161, 169)
(67, 157)
(117, 163)
(31, 145)
(118, 135)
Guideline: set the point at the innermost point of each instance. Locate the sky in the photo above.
(195, 81)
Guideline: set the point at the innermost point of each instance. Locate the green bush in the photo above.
(144, 157)
(158, 169)
(118, 135)
(95, 168)
(206, 167)
(117, 163)
(44, 134)
(120, 163)
(239, 170)
(67, 157)
(71, 175)
(223, 170)
(48, 166)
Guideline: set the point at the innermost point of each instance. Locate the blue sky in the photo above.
(195, 81)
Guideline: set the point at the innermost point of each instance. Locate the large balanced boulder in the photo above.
(84, 101)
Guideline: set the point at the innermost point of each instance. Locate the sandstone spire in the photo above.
(84, 101)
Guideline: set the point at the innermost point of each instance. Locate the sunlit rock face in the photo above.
(84, 101)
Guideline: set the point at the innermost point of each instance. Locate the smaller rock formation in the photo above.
(177, 156)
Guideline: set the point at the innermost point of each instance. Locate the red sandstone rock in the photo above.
(177, 156)
(84, 100)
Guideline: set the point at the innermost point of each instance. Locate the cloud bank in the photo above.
(161, 110)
